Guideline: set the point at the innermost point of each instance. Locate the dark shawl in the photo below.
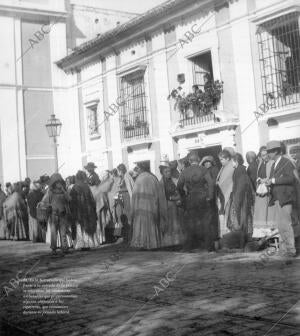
(83, 207)
(33, 198)
(252, 173)
(2, 200)
(169, 187)
(241, 190)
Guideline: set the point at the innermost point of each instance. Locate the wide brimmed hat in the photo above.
(207, 158)
(90, 165)
(273, 144)
(43, 179)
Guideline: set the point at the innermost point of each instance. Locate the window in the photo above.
(202, 69)
(279, 56)
(134, 113)
(93, 120)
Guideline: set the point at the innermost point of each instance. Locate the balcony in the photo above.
(197, 108)
(192, 118)
(134, 130)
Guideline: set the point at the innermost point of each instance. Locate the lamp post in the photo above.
(53, 127)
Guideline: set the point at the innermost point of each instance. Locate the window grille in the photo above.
(133, 117)
(93, 121)
(279, 57)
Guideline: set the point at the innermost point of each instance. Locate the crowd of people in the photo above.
(197, 203)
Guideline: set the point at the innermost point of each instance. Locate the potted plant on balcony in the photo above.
(198, 102)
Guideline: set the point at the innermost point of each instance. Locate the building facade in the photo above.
(111, 92)
(251, 46)
(35, 34)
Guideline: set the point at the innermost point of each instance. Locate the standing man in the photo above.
(199, 187)
(282, 183)
(93, 177)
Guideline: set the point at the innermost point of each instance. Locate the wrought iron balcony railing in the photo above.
(195, 116)
(136, 131)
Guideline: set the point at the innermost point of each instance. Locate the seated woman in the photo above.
(172, 234)
(240, 214)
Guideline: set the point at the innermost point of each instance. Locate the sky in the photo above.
(133, 6)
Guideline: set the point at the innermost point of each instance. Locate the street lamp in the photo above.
(53, 127)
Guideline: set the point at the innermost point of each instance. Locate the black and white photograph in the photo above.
(149, 167)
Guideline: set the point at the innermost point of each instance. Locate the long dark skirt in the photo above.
(122, 216)
(3, 230)
(241, 219)
(197, 228)
(173, 234)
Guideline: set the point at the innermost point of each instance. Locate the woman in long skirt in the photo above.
(100, 194)
(149, 215)
(35, 195)
(123, 202)
(83, 207)
(240, 215)
(3, 227)
(224, 184)
(16, 215)
(172, 234)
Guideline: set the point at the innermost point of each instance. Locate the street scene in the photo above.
(149, 167)
(206, 294)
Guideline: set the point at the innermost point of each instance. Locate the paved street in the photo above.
(122, 293)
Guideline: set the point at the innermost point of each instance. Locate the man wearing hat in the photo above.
(44, 180)
(282, 184)
(93, 177)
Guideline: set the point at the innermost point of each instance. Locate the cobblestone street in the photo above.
(201, 293)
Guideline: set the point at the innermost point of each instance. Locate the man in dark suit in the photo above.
(93, 177)
(282, 183)
(196, 187)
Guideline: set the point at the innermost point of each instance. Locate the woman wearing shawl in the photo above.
(123, 201)
(35, 195)
(100, 194)
(57, 200)
(84, 211)
(3, 228)
(16, 215)
(224, 185)
(240, 218)
(209, 163)
(70, 181)
(149, 214)
(172, 235)
(252, 168)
